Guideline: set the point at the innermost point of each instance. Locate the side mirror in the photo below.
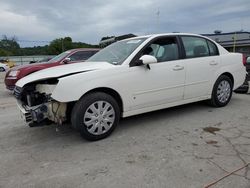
(66, 60)
(148, 59)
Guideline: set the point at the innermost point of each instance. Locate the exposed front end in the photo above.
(36, 105)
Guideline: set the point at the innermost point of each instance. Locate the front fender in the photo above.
(72, 88)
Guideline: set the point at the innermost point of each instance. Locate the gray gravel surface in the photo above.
(186, 146)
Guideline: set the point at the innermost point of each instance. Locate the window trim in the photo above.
(137, 56)
(217, 51)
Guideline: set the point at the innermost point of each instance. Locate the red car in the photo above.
(70, 56)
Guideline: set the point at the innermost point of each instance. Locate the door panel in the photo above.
(199, 72)
(163, 83)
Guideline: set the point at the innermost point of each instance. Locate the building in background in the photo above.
(238, 41)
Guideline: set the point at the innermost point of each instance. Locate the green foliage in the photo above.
(10, 46)
(36, 50)
(63, 44)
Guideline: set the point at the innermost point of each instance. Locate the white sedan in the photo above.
(3, 67)
(130, 77)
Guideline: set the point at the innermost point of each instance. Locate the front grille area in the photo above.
(17, 92)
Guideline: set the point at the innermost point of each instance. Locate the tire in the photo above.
(222, 91)
(2, 69)
(95, 115)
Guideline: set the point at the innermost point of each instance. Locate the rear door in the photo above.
(201, 60)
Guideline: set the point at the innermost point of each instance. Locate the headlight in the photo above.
(14, 73)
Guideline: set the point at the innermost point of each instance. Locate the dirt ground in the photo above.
(186, 146)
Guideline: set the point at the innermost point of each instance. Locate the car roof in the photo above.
(166, 34)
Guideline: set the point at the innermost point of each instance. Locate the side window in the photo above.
(212, 48)
(164, 49)
(81, 55)
(195, 47)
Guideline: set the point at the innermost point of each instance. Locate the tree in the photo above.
(9, 46)
(60, 45)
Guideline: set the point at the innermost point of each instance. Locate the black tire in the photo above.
(2, 69)
(83, 106)
(215, 101)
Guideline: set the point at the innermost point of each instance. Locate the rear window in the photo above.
(199, 47)
(195, 47)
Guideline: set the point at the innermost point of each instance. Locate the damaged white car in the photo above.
(130, 77)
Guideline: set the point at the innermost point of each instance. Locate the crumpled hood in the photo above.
(63, 70)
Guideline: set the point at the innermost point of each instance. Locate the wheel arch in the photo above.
(109, 91)
(228, 75)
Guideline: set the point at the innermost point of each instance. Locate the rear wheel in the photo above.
(2, 69)
(95, 115)
(222, 91)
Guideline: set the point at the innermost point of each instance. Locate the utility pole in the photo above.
(158, 20)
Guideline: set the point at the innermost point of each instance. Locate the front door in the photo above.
(164, 82)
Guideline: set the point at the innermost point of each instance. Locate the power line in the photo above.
(41, 41)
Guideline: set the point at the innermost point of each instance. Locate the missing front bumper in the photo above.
(53, 111)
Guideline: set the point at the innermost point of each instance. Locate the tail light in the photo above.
(244, 59)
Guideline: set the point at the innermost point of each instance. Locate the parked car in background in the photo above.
(8, 62)
(46, 59)
(3, 67)
(131, 77)
(244, 88)
(70, 56)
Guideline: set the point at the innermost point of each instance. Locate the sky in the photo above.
(88, 21)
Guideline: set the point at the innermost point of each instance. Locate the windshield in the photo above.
(59, 57)
(117, 52)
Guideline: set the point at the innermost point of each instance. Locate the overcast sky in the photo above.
(88, 21)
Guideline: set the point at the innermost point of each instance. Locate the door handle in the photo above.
(213, 63)
(178, 67)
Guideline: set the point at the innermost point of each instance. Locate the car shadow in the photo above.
(147, 119)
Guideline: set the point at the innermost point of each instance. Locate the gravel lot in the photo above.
(187, 146)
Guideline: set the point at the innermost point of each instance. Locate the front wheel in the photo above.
(95, 115)
(222, 91)
(2, 69)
